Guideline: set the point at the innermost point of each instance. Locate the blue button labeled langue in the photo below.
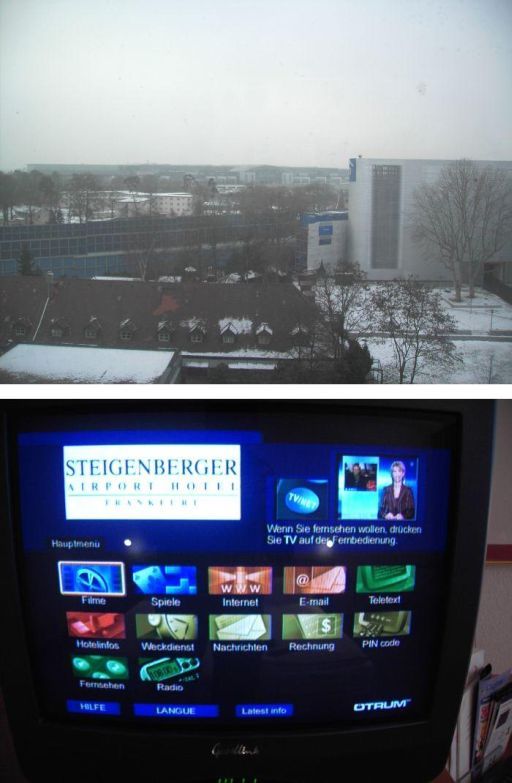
(264, 710)
(94, 707)
(176, 710)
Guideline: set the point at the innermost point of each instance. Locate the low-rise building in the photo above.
(207, 322)
(165, 204)
(321, 240)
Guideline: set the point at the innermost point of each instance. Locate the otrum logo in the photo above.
(369, 706)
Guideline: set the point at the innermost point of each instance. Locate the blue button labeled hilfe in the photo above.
(176, 710)
(94, 707)
(264, 710)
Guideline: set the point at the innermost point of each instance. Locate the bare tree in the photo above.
(83, 190)
(343, 302)
(7, 195)
(465, 218)
(132, 182)
(140, 247)
(411, 316)
(149, 186)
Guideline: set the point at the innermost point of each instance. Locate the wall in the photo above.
(494, 625)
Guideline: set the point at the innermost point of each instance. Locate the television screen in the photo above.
(255, 590)
(181, 571)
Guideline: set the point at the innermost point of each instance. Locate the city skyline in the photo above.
(253, 83)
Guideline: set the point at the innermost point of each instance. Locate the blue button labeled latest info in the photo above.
(94, 707)
(264, 710)
(176, 710)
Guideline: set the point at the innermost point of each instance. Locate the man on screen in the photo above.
(355, 478)
(397, 500)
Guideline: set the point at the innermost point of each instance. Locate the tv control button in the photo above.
(94, 707)
(264, 710)
(176, 710)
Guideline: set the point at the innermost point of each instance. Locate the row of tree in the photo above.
(82, 195)
(30, 189)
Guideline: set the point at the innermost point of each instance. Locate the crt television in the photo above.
(240, 591)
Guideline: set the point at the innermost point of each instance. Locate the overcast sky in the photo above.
(284, 82)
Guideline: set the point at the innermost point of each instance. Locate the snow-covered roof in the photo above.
(179, 195)
(85, 365)
(164, 325)
(264, 328)
(117, 279)
(299, 330)
(250, 366)
(94, 322)
(193, 323)
(236, 325)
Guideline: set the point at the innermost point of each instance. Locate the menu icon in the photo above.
(240, 580)
(314, 580)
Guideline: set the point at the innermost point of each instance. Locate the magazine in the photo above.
(488, 689)
(500, 728)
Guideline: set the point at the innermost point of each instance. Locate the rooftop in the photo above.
(73, 364)
(27, 314)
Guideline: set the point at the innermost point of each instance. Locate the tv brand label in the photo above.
(219, 750)
(302, 500)
(369, 706)
(152, 482)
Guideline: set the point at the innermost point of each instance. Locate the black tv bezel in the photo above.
(297, 754)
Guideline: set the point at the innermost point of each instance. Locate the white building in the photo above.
(166, 204)
(322, 240)
(381, 202)
(173, 203)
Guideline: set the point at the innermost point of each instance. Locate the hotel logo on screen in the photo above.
(152, 482)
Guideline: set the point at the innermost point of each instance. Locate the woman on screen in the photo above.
(397, 500)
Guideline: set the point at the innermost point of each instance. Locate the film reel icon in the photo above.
(87, 580)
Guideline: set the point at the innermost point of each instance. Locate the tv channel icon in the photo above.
(385, 578)
(314, 580)
(177, 669)
(302, 499)
(240, 580)
(96, 625)
(312, 626)
(100, 667)
(382, 624)
(240, 627)
(180, 627)
(165, 580)
(98, 578)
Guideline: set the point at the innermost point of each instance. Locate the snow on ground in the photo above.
(85, 365)
(482, 362)
(480, 314)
